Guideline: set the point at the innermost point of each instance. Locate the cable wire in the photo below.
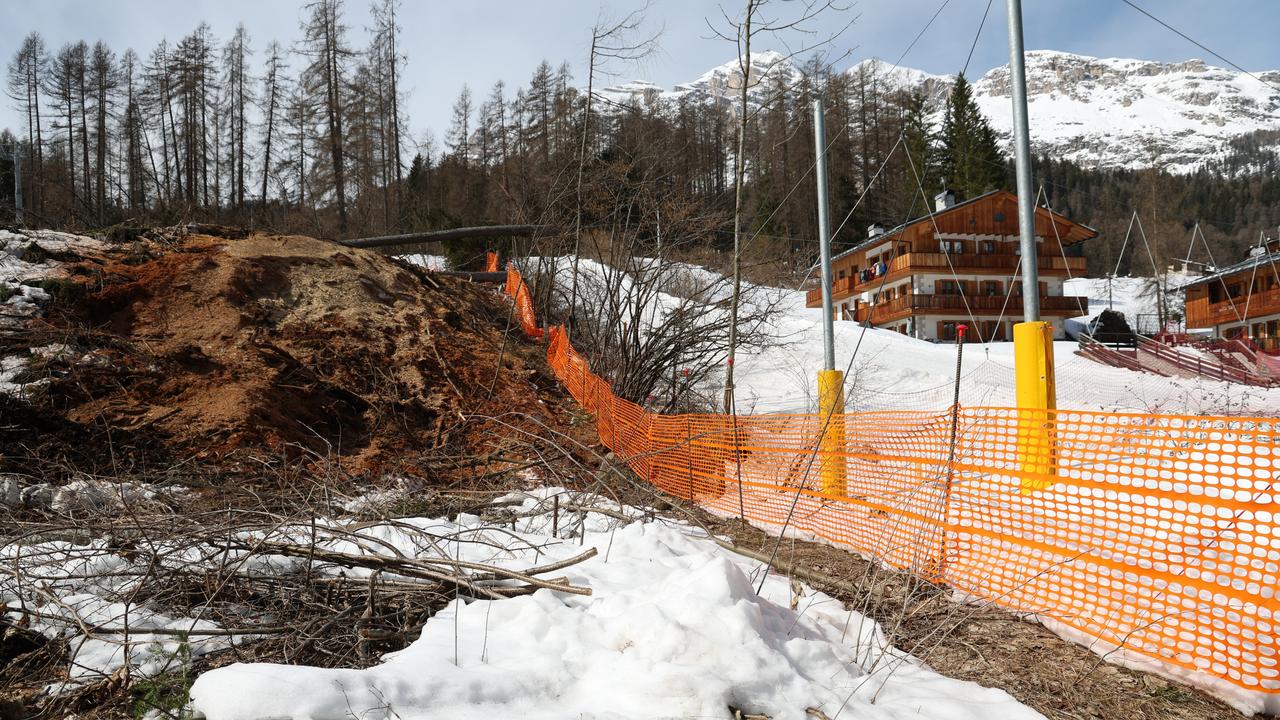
(1201, 45)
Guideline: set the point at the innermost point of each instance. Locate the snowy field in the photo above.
(895, 372)
(427, 262)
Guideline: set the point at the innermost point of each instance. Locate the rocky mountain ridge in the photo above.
(1097, 112)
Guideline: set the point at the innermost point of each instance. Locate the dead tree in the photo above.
(271, 94)
(323, 37)
(742, 31)
(611, 42)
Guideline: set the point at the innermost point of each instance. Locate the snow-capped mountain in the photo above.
(1115, 112)
(1099, 112)
(723, 82)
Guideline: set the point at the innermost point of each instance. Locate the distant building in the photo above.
(953, 267)
(1242, 300)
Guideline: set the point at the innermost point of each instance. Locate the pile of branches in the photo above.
(180, 584)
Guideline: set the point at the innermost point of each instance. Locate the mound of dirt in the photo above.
(292, 344)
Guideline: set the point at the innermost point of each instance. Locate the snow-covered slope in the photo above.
(890, 371)
(1099, 112)
(894, 372)
(1132, 113)
(721, 83)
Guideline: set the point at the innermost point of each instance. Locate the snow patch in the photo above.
(674, 627)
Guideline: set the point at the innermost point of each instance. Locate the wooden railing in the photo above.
(1113, 356)
(977, 304)
(1201, 366)
(1201, 313)
(918, 262)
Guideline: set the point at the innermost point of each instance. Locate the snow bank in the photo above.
(80, 497)
(1131, 296)
(892, 371)
(674, 628)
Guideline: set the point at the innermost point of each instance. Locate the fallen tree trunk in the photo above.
(451, 234)
(480, 277)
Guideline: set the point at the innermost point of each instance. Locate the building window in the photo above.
(952, 247)
(946, 331)
(987, 247)
(950, 287)
(991, 287)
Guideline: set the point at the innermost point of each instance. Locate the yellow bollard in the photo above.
(831, 417)
(1037, 401)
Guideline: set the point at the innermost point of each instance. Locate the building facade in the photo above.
(957, 266)
(1240, 301)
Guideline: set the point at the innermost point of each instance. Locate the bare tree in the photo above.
(742, 30)
(458, 139)
(62, 85)
(104, 79)
(235, 59)
(271, 82)
(611, 42)
(26, 72)
(325, 43)
(131, 129)
(387, 65)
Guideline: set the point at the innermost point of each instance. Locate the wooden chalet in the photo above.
(1240, 301)
(956, 266)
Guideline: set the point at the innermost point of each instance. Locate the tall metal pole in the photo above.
(832, 467)
(1022, 156)
(824, 235)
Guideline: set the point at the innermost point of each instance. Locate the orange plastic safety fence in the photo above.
(1158, 534)
(491, 262)
(519, 293)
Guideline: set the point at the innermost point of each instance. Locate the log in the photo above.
(481, 277)
(451, 234)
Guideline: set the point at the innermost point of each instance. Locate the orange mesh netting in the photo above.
(1152, 533)
(519, 293)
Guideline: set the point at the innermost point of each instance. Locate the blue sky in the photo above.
(480, 41)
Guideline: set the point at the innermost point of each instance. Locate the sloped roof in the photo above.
(934, 215)
(1246, 264)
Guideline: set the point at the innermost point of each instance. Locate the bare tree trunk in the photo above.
(582, 162)
(739, 171)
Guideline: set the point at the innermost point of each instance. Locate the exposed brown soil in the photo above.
(207, 346)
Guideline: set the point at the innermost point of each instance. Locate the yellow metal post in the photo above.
(831, 417)
(1037, 401)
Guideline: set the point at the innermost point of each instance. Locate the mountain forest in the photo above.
(314, 139)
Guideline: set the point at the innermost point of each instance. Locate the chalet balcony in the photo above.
(1201, 313)
(969, 264)
(980, 305)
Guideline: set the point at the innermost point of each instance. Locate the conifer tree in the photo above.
(919, 139)
(971, 162)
